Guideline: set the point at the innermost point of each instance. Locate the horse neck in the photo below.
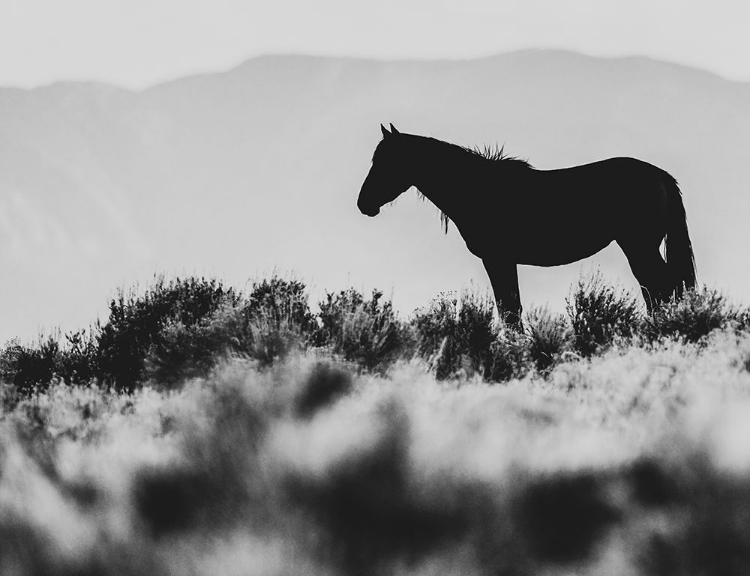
(444, 174)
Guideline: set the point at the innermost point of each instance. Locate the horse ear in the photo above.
(393, 130)
(384, 131)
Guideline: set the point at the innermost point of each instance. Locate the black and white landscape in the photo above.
(256, 169)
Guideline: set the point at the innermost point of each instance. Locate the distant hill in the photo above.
(240, 173)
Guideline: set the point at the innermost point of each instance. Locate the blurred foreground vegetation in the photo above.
(199, 430)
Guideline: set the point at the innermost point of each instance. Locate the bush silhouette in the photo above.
(182, 328)
(277, 320)
(30, 367)
(548, 337)
(364, 331)
(694, 316)
(600, 315)
(136, 323)
(456, 335)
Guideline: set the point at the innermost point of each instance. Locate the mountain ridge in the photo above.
(387, 61)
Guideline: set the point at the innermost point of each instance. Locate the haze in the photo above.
(136, 43)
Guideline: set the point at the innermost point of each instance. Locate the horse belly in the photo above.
(556, 245)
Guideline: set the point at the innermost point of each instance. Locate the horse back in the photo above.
(607, 188)
(551, 217)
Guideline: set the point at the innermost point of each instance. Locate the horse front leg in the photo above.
(504, 279)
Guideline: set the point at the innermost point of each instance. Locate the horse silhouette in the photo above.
(510, 213)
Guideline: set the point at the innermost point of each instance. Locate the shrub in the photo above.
(693, 316)
(743, 320)
(273, 335)
(72, 359)
(548, 337)
(456, 335)
(28, 367)
(272, 321)
(78, 358)
(277, 320)
(509, 353)
(175, 330)
(600, 315)
(182, 328)
(364, 331)
(135, 324)
(185, 351)
(281, 298)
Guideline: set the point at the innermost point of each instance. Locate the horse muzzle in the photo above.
(369, 210)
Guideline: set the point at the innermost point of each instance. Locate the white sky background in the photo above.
(136, 43)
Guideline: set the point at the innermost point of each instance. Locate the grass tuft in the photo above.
(600, 315)
(693, 317)
(364, 331)
(455, 335)
(549, 336)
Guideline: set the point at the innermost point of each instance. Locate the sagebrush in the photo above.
(182, 328)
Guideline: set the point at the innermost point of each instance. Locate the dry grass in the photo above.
(634, 462)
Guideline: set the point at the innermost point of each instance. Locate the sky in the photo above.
(137, 43)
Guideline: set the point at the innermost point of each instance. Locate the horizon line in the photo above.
(362, 58)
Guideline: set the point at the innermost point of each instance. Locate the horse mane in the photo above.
(444, 219)
(497, 154)
(494, 154)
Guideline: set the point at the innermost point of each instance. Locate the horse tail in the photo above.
(680, 258)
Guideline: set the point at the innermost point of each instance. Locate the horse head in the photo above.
(387, 178)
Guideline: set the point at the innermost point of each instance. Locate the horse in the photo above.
(510, 213)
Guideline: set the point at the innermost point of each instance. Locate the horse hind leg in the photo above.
(651, 272)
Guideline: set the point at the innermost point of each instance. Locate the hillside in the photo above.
(255, 169)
